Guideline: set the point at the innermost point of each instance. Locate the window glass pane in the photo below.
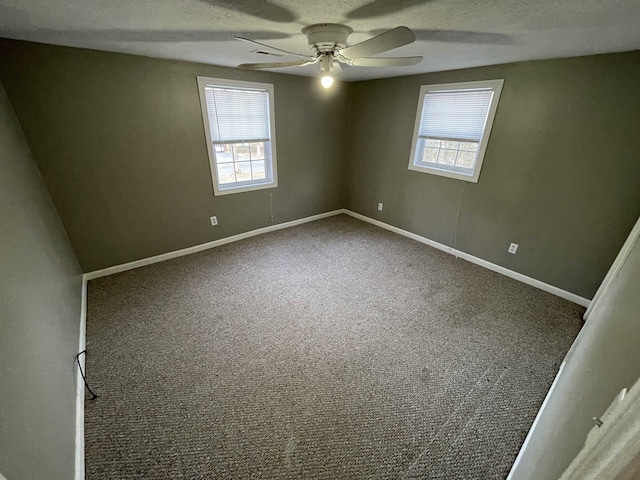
(447, 157)
(241, 152)
(432, 142)
(466, 159)
(226, 173)
(243, 171)
(469, 146)
(258, 170)
(223, 153)
(430, 155)
(450, 145)
(257, 151)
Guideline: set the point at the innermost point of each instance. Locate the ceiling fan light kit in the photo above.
(326, 81)
(328, 42)
(326, 67)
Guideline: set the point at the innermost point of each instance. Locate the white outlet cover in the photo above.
(380, 206)
(214, 221)
(513, 248)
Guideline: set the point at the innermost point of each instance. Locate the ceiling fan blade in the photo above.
(378, 8)
(385, 62)
(248, 40)
(258, 66)
(458, 36)
(394, 38)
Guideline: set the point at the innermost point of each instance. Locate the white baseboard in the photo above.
(205, 246)
(80, 387)
(572, 297)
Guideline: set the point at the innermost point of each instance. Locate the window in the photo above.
(239, 128)
(452, 128)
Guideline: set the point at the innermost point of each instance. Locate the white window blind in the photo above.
(455, 114)
(237, 114)
(239, 126)
(452, 128)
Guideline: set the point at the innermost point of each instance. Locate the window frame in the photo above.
(249, 185)
(496, 86)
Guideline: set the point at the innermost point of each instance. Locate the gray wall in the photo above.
(561, 175)
(120, 143)
(604, 359)
(40, 293)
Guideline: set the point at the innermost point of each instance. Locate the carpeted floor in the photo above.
(331, 350)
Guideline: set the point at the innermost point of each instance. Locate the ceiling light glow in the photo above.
(326, 81)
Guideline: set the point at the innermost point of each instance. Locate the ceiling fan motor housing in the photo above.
(327, 37)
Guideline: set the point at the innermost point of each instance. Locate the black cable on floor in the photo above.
(93, 395)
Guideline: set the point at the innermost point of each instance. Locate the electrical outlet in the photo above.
(214, 221)
(513, 248)
(380, 206)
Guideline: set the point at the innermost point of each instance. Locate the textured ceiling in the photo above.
(451, 33)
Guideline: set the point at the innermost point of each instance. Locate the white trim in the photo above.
(80, 386)
(496, 86)
(205, 246)
(615, 267)
(224, 82)
(535, 422)
(572, 297)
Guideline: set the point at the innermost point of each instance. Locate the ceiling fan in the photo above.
(328, 42)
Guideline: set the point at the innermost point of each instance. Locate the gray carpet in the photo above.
(331, 350)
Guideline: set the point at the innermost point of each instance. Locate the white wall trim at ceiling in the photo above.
(572, 297)
(615, 267)
(205, 246)
(80, 386)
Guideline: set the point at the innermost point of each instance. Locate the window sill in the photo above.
(467, 177)
(244, 188)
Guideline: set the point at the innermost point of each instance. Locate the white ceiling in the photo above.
(451, 33)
